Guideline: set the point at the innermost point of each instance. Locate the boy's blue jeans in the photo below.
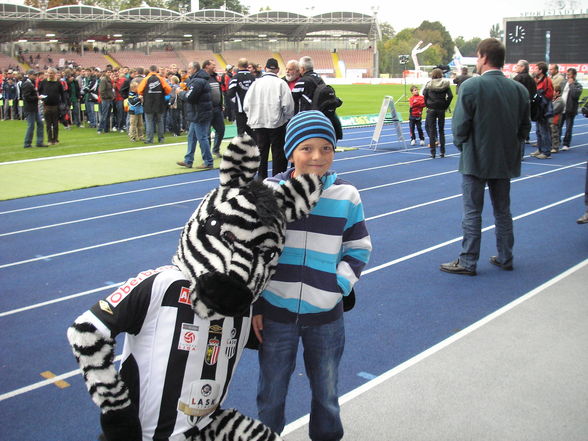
(323, 347)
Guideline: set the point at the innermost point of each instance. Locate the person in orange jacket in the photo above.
(154, 89)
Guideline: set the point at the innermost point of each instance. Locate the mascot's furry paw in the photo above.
(121, 425)
(233, 425)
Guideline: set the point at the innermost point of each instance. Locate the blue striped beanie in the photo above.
(306, 125)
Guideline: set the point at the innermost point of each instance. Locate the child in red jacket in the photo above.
(417, 104)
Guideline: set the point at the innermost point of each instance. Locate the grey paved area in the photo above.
(521, 376)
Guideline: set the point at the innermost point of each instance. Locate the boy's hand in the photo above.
(257, 324)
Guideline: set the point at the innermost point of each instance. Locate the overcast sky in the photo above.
(465, 18)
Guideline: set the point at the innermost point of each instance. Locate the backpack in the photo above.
(541, 107)
(325, 99)
(584, 104)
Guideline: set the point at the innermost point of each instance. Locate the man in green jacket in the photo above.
(490, 122)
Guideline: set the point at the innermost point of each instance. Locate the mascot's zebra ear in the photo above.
(298, 196)
(240, 162)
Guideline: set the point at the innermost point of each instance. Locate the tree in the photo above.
(496, 32)
(386, 30)
(443, 39)
(467, 47)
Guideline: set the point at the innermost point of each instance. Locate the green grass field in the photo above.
(357, 100)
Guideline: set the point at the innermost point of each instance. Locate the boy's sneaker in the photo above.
(412, 142)
(542, 156)
(554, 150)
(583, 219)
(422, 142)
(565, 147)
(535, 153)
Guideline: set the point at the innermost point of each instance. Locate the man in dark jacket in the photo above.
(218, 122)
(198, 108)
(490, 121)
(30, 99)
(461, 78)
(570, 95)
(238, 87)
(106, 94)
(438, 97)
(303, 93)
(52, 93)
(523, 77)
(154, 88)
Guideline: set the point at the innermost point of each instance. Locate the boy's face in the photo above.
(315, 155)
(414, 91)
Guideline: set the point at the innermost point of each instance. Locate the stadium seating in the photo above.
(323, 63)
(140, 59)
(200, 56)
(357, 59)
(253, 56)
(61, 59)
(6, 62)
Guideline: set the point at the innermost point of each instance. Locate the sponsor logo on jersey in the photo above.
(123, 291)
(188, 337)
(230, 347)
(212, 351)
(215, 329)
(185, 296)
(104, 306)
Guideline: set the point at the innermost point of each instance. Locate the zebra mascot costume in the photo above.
(186, 324)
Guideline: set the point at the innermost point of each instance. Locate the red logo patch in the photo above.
(185, 296)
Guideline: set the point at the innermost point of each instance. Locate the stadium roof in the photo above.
(74, 23)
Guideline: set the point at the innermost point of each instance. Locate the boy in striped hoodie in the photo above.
(323, 258)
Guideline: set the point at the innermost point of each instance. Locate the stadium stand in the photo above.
(323, 63)
(7, 62)
(140, 59)
(358, 59)
(195, 55)
(61, 59)
(253, 56)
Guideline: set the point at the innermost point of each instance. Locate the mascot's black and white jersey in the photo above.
(186, 324)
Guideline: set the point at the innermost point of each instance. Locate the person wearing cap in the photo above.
(269, 106)
(32, 115)
(323, 259)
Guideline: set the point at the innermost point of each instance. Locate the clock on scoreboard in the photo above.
(526, 39)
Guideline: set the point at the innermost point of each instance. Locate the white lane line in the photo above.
(122, 193)
(102, 216)
(302, 421)
(110, 286)
(38, 258)
(366, 272)
(43, 383)
(458, 239)
(91, 247)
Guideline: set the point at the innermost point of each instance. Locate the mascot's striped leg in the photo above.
(230, 424)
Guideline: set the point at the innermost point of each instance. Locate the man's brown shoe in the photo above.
(204, 167)
(494, 261)
(184, 164)
(455, 268)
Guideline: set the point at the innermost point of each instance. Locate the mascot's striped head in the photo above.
(230, 246)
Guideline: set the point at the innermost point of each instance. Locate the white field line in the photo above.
(302, 420)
